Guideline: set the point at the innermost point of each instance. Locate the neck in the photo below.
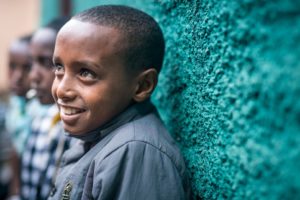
(133, 112)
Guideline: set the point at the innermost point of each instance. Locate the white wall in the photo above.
(17, 17)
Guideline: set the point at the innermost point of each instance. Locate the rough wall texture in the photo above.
(229, 92)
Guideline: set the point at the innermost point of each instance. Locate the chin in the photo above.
(46, 101)
(19, 93)
(72, 131)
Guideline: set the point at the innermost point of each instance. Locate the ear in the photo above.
(147, 81)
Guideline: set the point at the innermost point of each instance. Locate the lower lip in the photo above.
(70, 119)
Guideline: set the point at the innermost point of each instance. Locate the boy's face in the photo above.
(91, 84)
(41, 74)
(19, 67)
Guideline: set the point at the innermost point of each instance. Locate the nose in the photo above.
(17, 75)
(63, 88)
(34, 75)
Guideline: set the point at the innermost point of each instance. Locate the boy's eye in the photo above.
(12, 65)
(58, 68)
(44, 61)
(26, 66)
(86, 73)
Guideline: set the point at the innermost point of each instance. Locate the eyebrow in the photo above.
(55, 59)
(79, 62)
(87, 63)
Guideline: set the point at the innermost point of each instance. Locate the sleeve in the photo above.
(138, 171)
(6, 146)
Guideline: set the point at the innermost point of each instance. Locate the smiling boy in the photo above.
(106, 61)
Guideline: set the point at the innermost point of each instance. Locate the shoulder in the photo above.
(145, 138)
(139, 165)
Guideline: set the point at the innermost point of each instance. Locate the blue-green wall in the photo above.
(230, 92)
(49, 10)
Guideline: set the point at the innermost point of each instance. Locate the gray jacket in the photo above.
(134, 157)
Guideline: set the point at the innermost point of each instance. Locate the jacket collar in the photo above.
(133, 112)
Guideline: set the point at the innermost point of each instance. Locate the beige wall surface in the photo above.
(17, 17)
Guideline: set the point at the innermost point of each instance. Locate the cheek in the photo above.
(54, 88)
(93, 99)
(96, 103)
(11, 74)
(27, 79)
(48, 77)
(15, 76)
(25, 76)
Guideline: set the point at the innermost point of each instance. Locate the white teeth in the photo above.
(69, 111)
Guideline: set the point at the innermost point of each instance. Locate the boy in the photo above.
(106, 63)
(19, 66)
(46, 142)
(17, 117)
(19, 113)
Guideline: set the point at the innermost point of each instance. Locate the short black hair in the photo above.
(56, 23)
(144, 43)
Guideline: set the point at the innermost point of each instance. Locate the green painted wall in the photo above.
(230, 92)
(49, 10)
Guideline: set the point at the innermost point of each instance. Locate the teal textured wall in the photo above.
(229, 92)
(49, 10)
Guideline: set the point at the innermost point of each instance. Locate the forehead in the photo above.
(89, 37)
(19, 47)
(43, 39)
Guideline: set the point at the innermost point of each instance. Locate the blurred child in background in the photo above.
(47, 140)
(17, 117)
(6, 150)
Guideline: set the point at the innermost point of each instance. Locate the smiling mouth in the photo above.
(70, 111)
